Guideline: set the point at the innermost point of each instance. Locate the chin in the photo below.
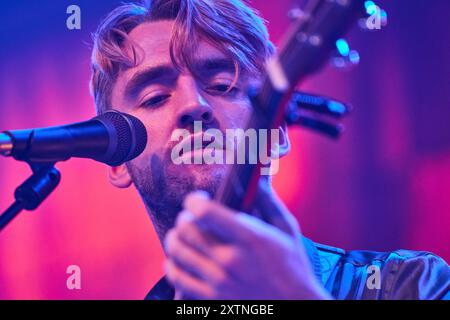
(205, 177)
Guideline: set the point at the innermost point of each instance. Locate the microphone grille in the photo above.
(140, 137)
(130, 135)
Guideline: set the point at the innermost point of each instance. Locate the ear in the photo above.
(285, 144)
(119, 176)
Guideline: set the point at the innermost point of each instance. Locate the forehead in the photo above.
(154, 39)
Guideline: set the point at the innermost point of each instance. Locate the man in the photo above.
(173, 63)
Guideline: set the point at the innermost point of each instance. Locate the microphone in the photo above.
(112, 138)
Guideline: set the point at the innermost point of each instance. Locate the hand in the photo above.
(216, 253)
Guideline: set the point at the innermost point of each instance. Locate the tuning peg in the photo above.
(317, 113)
(376, 17)
(343, 57)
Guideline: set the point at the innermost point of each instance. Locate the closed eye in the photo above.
(155, 101)
(223, 89)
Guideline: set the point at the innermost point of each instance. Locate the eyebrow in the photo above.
(168, 74)
(152, 75)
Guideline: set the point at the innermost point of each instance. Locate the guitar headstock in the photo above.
(306, 47)
(303, 51)
(369, 16)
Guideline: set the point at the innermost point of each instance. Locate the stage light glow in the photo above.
(354, 57)
(343, 47)
(371, 7)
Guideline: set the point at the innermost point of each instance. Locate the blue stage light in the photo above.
(343, 47)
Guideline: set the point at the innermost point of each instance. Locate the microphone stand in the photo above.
(31, 193)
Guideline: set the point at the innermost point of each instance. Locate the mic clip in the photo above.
(31, 193)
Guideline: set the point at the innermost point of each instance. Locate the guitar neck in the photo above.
(304, 50)
(239, 185)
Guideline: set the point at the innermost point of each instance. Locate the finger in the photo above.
(186, 284)
(224, 255)
(191, 261)
(273, 211)
(225, 224)
(190, 233)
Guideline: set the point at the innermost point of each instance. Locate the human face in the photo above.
(165, 99)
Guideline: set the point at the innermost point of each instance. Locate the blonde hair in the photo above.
(229, 25)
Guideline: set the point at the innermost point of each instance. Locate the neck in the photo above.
(163, 219)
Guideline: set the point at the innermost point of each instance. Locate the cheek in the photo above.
(158, 126)
(236, 114)
(142, 165)
(156, 145)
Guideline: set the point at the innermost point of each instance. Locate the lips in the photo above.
(191, 143)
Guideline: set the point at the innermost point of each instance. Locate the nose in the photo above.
(198, 112)
(193, 106)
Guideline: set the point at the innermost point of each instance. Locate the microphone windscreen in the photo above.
(128, 137)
